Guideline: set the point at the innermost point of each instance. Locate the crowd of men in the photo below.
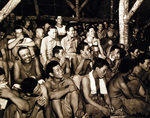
(79, 70)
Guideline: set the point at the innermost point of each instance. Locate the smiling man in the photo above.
(26, 66)
(62, 91)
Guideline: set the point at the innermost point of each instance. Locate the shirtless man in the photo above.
(93, 86)
(62, 91)
(28, 102)
(119, 93)
(26, 66)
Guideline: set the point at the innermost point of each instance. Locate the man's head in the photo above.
(39, 33)
(70, 31)
(53, 32)
(96, 51)
(24, 54)
(105, 24)
(59, 20)
(126, 66)
(144, 61)
(83, 49)
(18, 31)
(100, 26)
(54, 70)
(30, 86)
(115, 52)
(91, 32)
(134, 52)
(58, 52)
(101, 67)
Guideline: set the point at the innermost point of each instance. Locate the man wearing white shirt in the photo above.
(48, 43)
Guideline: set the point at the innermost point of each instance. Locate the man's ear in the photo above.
(28, 94)
(51, 74)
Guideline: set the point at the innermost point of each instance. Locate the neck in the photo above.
(59, 25)
(95, 74)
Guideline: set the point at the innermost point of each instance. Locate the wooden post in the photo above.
(124, 18)
(36, 7)
(77, 10)
(8, 8)
(83, 4)
(71, 5)
(111, 9)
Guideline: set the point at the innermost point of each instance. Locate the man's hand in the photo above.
(41, 101)
(105, 111)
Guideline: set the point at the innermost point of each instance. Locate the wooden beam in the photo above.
(134, 8)
(8, 8)
(36, 7)
(71, 5)
(111, 9)
(83, 4)
(77, 9)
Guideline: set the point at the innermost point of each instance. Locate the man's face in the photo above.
(115, 54)
(136, 53)
(25, 55)
(86, 52)
(146, 65)
(100, 26)
(91, 32)
(57, 72)
(53, 33)
(59, 20)
(37, 90)
(101, 72)
(61, 54)
(71, 32)
(40, 33)
(18, 32)
(105, 24)
(96, 52)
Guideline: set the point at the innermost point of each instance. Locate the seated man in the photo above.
(29, 102)
(19, 41)
(93, 87)
(140, 77)
(58, 55)
(113, 60)
(62, 92)
(119, 93)
(26, 66)
(81, 63)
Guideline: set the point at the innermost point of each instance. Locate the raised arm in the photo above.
(17, 73)
(37, 67)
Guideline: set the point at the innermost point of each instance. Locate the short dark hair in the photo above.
(99, 62)
(132, 48)
(49, 67)
(67, 28)
(142, 57)
(56, 50)
(2, 71)
(21, 48)
(18, 27)
(115, 47)
(28, 85)
(81, 47)
(126, 65)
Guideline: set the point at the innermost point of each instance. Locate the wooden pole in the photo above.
(71, 5)
(83, 4)
(8, 8)
(111, 9)
(77, 9)
(36, 7)
(124, 18)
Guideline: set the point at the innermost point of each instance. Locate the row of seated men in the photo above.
(81, 78)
